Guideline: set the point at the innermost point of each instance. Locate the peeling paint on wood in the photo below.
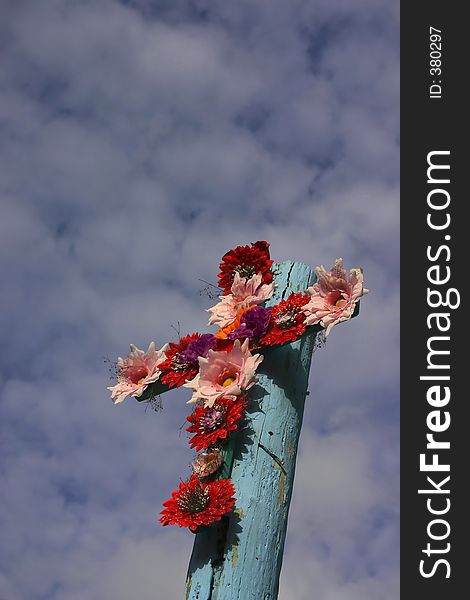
(188, 587)
(234, 557)
(264, 455)
(239, 513)
(290, 450)
(282, 487)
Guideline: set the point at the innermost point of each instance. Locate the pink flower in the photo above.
(244, 294)
(224, 374)
(333, 296)
(135, 372)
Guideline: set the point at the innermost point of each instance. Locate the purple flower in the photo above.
(212, 419)
(197, 348)
(253, 324)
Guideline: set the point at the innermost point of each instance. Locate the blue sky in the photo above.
(139, 141)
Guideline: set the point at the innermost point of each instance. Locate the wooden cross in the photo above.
(240, 557)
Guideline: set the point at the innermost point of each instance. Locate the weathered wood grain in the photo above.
(241, 557)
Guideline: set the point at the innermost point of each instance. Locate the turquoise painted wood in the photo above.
(241, 557)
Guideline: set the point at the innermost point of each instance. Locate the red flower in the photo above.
(175, 369)
(224, 345)
(210, 424)
(287, 322)
(198, 503)
(247, 261)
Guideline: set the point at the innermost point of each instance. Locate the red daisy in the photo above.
(210, 424)
(247, 261)
(198, 503)
(287, 322)
(224, 345)
(176, 370)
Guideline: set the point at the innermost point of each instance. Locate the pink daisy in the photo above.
(333, 296)
(244, 294)
(224, 374)
(136, 372)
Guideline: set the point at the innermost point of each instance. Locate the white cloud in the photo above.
(147, 568)
(140, 141)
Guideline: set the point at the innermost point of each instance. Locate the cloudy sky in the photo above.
(139, 141)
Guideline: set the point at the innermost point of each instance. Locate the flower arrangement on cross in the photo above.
(220, 368)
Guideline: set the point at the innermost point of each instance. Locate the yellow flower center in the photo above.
(228, 381)
(335, 298)
(137, 374)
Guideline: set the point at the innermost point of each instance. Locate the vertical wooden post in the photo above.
(240, 558)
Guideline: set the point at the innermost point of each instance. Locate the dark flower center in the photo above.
(246, 271)
(179, 363)
(287, 318)
(212, 419)
(194, 501)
